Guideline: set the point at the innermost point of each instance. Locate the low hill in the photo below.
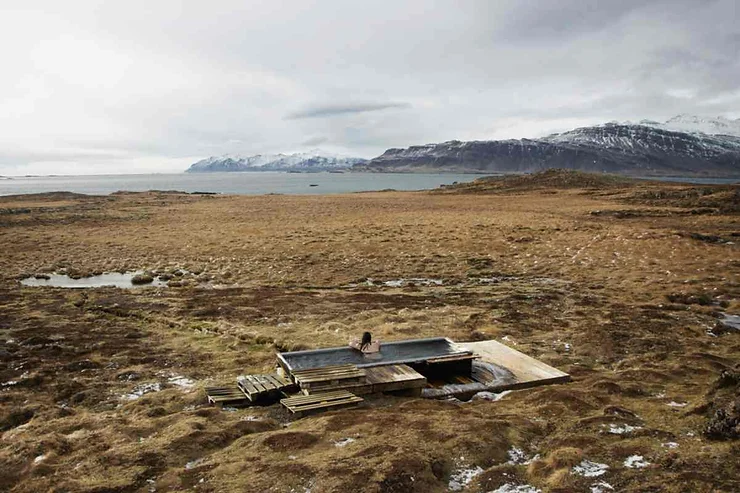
(554, 178)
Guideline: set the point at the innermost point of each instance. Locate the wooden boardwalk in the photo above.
(303, 404)
(257, 387)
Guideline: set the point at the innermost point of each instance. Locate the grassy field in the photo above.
(622, 284)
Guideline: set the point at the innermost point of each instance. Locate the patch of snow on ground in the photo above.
(732, 321)
(9, 383)
(622, 429)
(635, 462)
(343, 442)
(491, 396)
(140, 390)
(461, 477)
(182, 382)
(39, 458)
(518, 456)
(193, 463)
(670, 445)
(516, 488)
(494, 280)
(677, 404)
(508, 339)
(419, 281)
(249, 417)
(601, 487)
(590, 469)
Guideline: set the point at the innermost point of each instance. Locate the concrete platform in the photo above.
(499, 368)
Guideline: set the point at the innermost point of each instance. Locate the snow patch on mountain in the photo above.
(697, 124)
(710, 126)
(315, 160)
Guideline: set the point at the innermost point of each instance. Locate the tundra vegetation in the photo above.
(622, 284)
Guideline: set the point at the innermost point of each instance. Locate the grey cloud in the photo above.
(323, 111)
(131, 81)
(314, 141)
(534, 21)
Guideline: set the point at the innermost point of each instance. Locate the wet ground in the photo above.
(113, 279)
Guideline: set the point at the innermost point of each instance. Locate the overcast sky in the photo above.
(137, 86)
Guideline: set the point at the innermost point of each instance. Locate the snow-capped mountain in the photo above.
(304, 161)
(697, 124)
(631, 149)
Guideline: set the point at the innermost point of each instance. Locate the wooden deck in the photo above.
(259, 387)
(394, 377)
(329, 378)
(230, 395)
(521, 371)
(302, 404)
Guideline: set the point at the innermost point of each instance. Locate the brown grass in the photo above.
(624, 302)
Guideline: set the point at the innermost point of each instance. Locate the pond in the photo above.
(115, 279)
(732, 321)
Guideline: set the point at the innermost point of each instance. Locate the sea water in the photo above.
(242, 183)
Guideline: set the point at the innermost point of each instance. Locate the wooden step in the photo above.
(329, 377)
(226, 395)
(316, 402)
(259, 386)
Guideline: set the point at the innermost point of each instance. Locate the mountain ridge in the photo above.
(621, 148)
(305, 161)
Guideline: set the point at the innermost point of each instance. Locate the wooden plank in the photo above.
(325, 405)
(256, 383)
(328, 372)
(247, 386)
(265, 381)
(378, 379)
(314, 397)
(325, 378)
(277, 382)
(394, 377)
(222, 395)
(332, 386)
(313, 402)
(322, 369)
(526, 371)
(452, 357)
(257, 387)
(331, 376)
(226, 393)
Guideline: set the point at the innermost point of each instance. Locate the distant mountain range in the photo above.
(682, 146)
(307, 161)
(685, 145)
